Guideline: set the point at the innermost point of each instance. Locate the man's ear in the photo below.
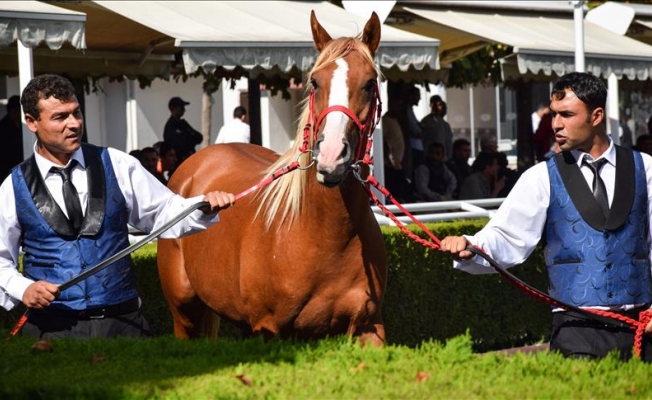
(597, 116)
(30, 122)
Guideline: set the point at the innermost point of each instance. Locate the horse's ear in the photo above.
(371, 33)
(319, 34)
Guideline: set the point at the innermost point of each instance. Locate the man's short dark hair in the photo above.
(44, 87)
(483, 160)
(459, 143)
(13, 103)
(435, 98)
(587, 87)
(239, 112)
(164, 149)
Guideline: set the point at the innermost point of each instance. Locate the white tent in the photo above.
(543, 43)
(30, 23)
(269, 35)
(34, 22)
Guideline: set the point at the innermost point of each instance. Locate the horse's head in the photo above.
(343, 99)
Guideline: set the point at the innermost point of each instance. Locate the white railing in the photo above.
(424, 212)
(440, 211)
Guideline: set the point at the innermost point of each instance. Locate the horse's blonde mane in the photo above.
(284, 194)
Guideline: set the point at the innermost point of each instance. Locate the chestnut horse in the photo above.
(304, 256)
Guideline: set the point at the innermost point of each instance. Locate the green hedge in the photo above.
(425, 298)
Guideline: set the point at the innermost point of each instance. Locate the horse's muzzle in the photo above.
(334, 164)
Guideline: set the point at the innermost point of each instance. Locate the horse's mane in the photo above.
(284, 194)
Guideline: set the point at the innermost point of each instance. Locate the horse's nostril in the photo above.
(346, 151)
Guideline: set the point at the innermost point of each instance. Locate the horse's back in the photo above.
(227, 167)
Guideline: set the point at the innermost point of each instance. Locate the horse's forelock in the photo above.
(284, 194)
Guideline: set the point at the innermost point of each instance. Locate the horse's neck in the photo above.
(346, 204)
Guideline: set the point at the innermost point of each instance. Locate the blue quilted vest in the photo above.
(56, 253)
(593, 260)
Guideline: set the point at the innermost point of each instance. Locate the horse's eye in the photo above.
(369, 86)
(314, 84)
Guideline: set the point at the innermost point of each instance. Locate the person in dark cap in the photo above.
(178, 132)
(11, 137)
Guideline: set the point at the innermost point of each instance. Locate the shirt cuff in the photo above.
(14, 292)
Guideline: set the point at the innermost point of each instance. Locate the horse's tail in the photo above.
(210, 324)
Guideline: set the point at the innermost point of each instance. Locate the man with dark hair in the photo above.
(644, 144)
(484, 182)
(68, 207)
(149, 159)
(432, 179)
(167, 160)
(178, 132)
(434, 129)
(458, 163)
(237, 130)
(11, 137)
(597, 227)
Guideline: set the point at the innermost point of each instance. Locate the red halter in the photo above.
(367, 128)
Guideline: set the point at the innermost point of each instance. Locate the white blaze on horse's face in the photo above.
(334, 144)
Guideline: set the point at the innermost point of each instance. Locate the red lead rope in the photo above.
(601, 315)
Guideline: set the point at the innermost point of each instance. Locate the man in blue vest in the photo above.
(69, 206)
(597, 225)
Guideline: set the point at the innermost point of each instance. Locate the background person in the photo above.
(564, 198)
(149, 159)
(178, 132)
(394, 151)
(69, 206)
(11, 138)
(237, 130)
(432, 179)
(412, 133)
(167, 160)
(484, 182)
(458, 164)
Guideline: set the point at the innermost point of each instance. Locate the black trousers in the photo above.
(577, 336)
(52, 326)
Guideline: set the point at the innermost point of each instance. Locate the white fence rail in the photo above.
(424, 212)
(440, 211)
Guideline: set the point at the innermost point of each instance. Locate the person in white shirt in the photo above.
(69, 219)
(597, 244)
(237, 130)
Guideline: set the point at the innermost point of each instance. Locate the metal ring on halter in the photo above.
(312, 160)
(356, 172)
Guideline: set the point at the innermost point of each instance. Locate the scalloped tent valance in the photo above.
(34, 22)
(544, 44)
(267, 34)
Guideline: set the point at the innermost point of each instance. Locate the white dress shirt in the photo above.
(234, 131)
(514, 231)
(150, 205)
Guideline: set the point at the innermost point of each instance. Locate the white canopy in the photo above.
(543, 43)
(272, 35)
(34, 22)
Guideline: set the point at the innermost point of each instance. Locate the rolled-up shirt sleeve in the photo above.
(12, 283)
(152, 204)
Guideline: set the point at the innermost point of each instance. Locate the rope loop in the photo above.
(312, 159)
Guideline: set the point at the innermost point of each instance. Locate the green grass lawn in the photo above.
(165, 367)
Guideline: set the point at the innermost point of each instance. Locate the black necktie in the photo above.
(70, 195)
(599, 190)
